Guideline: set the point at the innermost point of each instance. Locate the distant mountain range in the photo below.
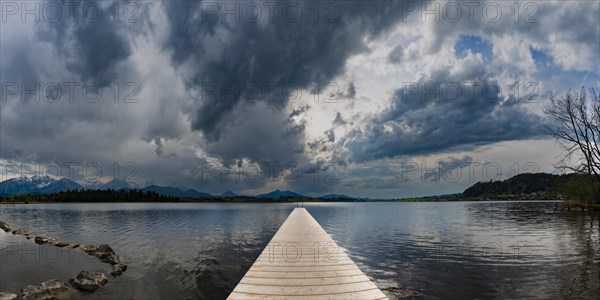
(176, 192)
(117, 184)
(48, 185)
(334, 196)
(280, 194)
(522, 184)
(37, 185)
(229, 194)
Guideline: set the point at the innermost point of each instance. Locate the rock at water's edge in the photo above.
(104, 248)
(59, 289)
(40, 240)
(118, 269)
(106, 254)
(88, 281)
(89, 249)
(36, 292)
(8, 296)
(21, 231)
(112, 259)
(62, 244)
(4, 226)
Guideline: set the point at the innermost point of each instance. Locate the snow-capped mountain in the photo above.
(36, 185)
(61, 185)
(40, 181)
(49, 185)
(16, 186)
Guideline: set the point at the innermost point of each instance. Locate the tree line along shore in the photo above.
(527, 186)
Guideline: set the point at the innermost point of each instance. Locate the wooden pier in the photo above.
(303, 262)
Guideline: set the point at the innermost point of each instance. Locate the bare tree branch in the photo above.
(576, 126)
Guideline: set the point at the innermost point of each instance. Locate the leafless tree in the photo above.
(576, 126)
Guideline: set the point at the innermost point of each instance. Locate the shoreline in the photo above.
(277, 201)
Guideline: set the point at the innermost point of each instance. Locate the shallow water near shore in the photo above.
(441, 250)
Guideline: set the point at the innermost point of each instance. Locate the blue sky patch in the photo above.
(474, 43)
(541, 58)
(558, 78)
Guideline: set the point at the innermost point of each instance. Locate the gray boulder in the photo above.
(8, 296)
(106, 254)
(45, 240)
(88, 281)
(118, 269)
(49, 290)
(21, 231)
(112, 259)
(63, 244)
(59, 289)
(89, 249)
(36, 292)
(4, 226)
(105, 248)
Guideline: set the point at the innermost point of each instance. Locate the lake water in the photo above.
(441, 250)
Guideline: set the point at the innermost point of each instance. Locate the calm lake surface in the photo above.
(442, 250)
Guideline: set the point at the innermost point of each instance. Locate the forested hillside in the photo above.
(527, 183)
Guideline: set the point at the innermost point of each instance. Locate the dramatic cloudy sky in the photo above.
(368, 98)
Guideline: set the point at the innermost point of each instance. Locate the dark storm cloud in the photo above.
(351, 93)
(461, 109)
(330, 135)
(259, 133)
(160, 149)
(79, 51)
(100, 49)
(89, 38)
(339, 120)
(298, 111)
(241, 124)
(21, 65)
(395, 56)
(284, 51)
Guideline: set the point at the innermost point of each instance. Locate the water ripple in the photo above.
(443, 250)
